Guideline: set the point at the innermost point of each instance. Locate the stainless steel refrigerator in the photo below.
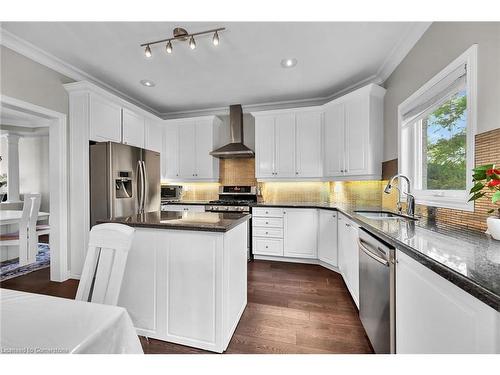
(124, 180)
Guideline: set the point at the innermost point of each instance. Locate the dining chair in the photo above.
(105, 263)
(20, 237)
(32, 227)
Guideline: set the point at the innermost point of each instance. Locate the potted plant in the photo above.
(487, 179)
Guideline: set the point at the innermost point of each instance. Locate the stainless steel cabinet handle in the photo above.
(372, 255)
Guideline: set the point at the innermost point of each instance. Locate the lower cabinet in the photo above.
(300, 233)
(327, 237)
(435, 316)
(349, 255)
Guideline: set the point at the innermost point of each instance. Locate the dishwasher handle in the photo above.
(371, 254)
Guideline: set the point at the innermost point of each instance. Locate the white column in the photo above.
(13, 168)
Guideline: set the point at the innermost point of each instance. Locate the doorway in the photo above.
(56, 199)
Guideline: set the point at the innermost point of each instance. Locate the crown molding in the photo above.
(401, 49)
(271, 106)
(42, 57)
(394, 58)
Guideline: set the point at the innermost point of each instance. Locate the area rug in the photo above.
(10, 268)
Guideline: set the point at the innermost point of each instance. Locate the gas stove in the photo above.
(233, 199)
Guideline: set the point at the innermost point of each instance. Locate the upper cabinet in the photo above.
(132, 128)
(353, 135)
(153, 135)
(341, 139)
(105, 119)
(288, 144)
(187, 144)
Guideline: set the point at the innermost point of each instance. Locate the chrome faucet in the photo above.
(410, 199)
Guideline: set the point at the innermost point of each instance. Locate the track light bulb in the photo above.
(169, 47)
(192, 43)
(215, 39)
(147, 51)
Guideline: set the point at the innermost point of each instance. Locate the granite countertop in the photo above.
(194, 221)
(469, 259)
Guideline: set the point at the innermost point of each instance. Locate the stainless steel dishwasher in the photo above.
(377, 292)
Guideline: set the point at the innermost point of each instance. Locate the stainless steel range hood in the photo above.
(235, 149)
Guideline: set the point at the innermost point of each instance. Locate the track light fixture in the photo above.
(215, 39)
(182, 35)
(192, 43)
(147, 51)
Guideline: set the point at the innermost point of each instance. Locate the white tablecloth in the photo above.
(35, 323)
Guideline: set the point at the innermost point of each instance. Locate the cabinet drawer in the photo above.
(276, 222)
(267, 246)
(268, 232)
(267, 212)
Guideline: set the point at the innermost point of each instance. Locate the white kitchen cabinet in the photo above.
(289, 144)
(170, 154)
(435, 316)
(327, 237)
(265, 143)
(353, 134)
(187, 146)
(186, 287)
(187, 150)
(309, 135)
(285, 164)
(300, 232)
(132, 128)
(349, 255)
(105, 119)
(334, 139)
(153, 136)
(206, 165)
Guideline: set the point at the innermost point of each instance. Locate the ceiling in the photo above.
(245, 67)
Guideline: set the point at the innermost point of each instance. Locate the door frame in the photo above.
(58, 175)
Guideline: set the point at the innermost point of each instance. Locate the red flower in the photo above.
(494, 183)
(490, 172)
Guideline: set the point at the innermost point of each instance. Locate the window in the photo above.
(437, 127)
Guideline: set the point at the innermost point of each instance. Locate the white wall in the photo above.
(34, 168)
(441, 44)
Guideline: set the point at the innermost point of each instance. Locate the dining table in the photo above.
(40, 324)
(8, 217)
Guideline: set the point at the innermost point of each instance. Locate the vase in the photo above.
(493, 223)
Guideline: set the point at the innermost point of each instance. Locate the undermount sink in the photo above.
(384, 215)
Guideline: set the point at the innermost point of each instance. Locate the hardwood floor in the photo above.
(292, 308)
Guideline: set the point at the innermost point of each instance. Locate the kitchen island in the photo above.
(186, 276)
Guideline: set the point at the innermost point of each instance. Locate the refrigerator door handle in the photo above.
(140, 186)
(143, 185)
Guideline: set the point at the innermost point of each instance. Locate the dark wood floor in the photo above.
(292, 308)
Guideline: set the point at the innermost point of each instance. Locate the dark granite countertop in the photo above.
(469, 259)
(194, 221)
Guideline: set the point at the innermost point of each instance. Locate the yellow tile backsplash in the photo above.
(273, 192)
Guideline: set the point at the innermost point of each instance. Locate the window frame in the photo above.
(409, 164)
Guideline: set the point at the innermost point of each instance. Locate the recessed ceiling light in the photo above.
(288, 63)
(148, 83)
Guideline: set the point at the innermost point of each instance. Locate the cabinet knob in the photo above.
(267, 247)
(267, 222)
(296, 172)
(267, 232)
(347, 224)
(267, 212)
